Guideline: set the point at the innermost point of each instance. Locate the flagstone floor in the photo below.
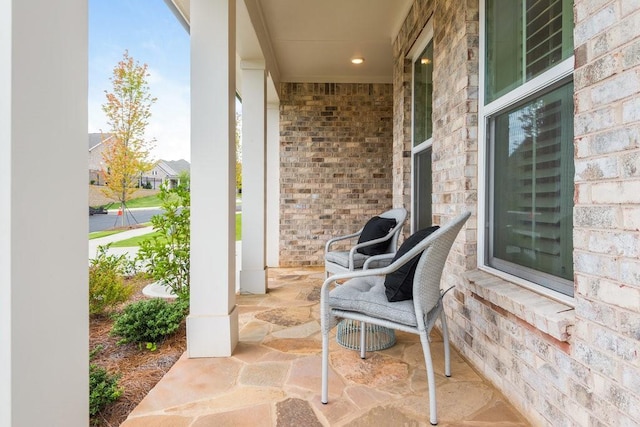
(273, 376)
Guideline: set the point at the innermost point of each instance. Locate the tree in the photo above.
(238, 152)
(128, 108)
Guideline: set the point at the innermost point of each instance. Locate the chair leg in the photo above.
(445, 338)
(325, 368)
(431, 380)
(363, 340)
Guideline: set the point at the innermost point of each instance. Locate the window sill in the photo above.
(546, 315)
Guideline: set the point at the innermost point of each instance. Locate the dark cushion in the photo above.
(399, 284)
(376, 228)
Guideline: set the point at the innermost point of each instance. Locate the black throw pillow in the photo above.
(375, 228)
(399, 284)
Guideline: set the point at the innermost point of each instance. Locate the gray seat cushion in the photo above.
(342, 258)
(366, 295)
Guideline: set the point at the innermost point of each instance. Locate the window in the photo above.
(532, 182)
(524, 39)
(422, 174)
(528, 114)
(423, 96)
(422, 134)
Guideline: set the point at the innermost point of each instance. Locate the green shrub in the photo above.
(107, 288)
(166, 255)
(103, 389)
(149, 321)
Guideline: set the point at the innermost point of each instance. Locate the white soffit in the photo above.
(313, 40)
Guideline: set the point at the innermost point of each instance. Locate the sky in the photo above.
(153, 36)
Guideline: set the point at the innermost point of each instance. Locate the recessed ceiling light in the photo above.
(357, 60)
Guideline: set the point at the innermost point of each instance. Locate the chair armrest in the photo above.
(416, 250)
(339, 238)
(381, 257)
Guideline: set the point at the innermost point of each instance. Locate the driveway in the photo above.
(99, 222)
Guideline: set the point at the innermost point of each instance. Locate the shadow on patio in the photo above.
(273, 377)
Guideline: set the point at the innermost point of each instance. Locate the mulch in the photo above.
(139, 369)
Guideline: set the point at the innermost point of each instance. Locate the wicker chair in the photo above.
(362, 298)
(343, 261)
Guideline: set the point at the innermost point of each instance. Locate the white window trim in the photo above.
(425, 37)
(546, 79)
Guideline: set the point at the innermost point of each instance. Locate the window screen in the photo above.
(532, 198)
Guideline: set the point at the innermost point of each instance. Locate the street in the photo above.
(99, 222)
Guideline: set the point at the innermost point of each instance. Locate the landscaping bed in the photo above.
(139, 369)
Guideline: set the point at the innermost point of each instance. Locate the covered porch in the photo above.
(273, 376)
(563, 355)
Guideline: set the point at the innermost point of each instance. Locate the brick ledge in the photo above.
(546, 315)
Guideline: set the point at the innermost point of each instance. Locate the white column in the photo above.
(44, 312)
(273, 185)
(212, 324)
(253, 275)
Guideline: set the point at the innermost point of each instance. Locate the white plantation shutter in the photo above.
(524, 39)
(543, 36)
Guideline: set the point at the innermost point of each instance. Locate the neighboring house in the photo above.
(96, 148)
(164, 171)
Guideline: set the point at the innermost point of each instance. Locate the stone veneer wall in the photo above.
(560, 364)
(335, 163)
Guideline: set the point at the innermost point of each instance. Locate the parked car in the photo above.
(97, 210)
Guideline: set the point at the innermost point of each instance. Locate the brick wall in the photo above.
(455, 108)
(335, 163)
(559, 364)
(606, 340)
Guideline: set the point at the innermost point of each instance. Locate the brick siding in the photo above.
(335, 163)
(559, 364)
(606, 340)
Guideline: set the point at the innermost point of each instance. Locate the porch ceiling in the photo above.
(313, 41)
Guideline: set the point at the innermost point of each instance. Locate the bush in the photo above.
(103, 387)
(166, 256)
(107, 288)
(149, 321)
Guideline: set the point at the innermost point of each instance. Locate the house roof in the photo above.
(164, 166)
(96, 139)
(178, 165)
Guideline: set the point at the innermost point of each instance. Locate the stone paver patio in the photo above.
(273, 377)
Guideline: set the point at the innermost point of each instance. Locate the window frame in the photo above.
(560, 74)
(421, 43)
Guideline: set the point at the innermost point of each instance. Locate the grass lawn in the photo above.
(144, 202)
(103, 233)
(135, 241)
